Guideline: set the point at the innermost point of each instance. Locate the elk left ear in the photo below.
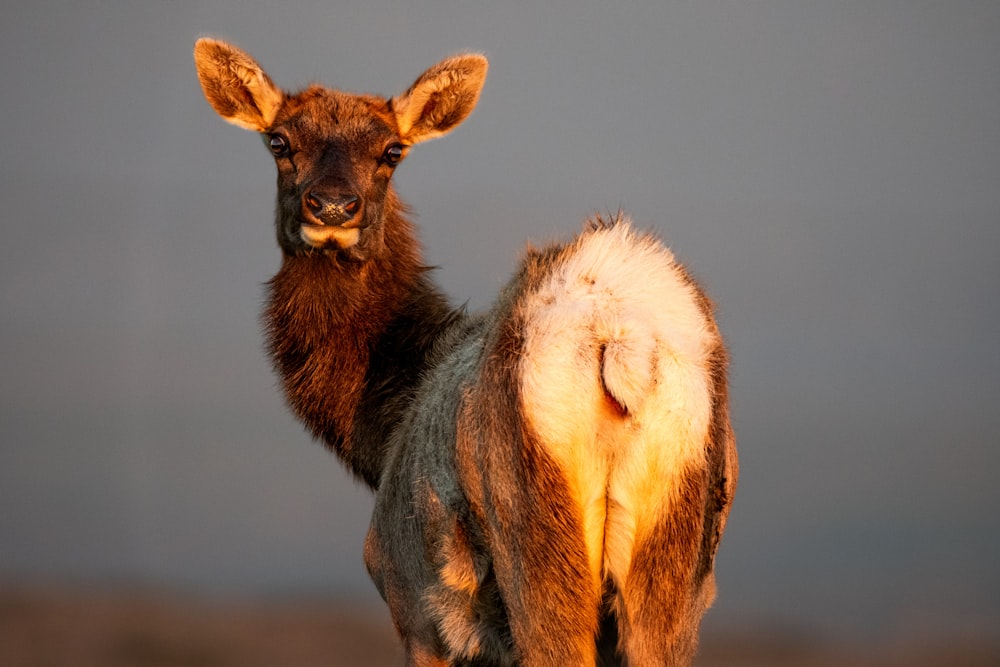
(441, 98)
(235, 85)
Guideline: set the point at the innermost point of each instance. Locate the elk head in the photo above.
(336, 151)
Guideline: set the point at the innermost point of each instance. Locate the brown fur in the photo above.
(479, 537)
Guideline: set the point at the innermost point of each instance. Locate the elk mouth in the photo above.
(323, 237)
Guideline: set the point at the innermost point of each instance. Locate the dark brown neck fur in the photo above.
(351, 339)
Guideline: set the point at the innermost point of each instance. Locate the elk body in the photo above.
(552, 477)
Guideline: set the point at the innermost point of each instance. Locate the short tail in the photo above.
(628, 366)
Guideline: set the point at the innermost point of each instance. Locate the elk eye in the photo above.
(393, 154)
(278, 144)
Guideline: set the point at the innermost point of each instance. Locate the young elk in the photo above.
(552, 477)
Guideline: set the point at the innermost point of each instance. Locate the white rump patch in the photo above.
(616, 383)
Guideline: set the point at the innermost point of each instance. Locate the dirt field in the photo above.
(76, 627)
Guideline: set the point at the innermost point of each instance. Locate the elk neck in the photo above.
(350, 341)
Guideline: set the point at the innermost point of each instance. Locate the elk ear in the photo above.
(441, 98)
(235, 85)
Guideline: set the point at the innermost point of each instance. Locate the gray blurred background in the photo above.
(831, 172)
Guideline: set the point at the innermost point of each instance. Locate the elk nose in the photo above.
(327, 210)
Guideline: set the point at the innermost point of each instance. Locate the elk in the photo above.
(552, 476)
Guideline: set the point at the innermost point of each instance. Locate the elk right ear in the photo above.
(235, 85)
(441, 98)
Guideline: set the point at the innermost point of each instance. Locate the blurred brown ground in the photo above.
(48, 626)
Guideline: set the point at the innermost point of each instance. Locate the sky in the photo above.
(828, 171)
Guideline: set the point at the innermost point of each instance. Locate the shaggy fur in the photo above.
(553, 476)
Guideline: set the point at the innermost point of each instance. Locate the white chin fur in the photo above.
(322, 237)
